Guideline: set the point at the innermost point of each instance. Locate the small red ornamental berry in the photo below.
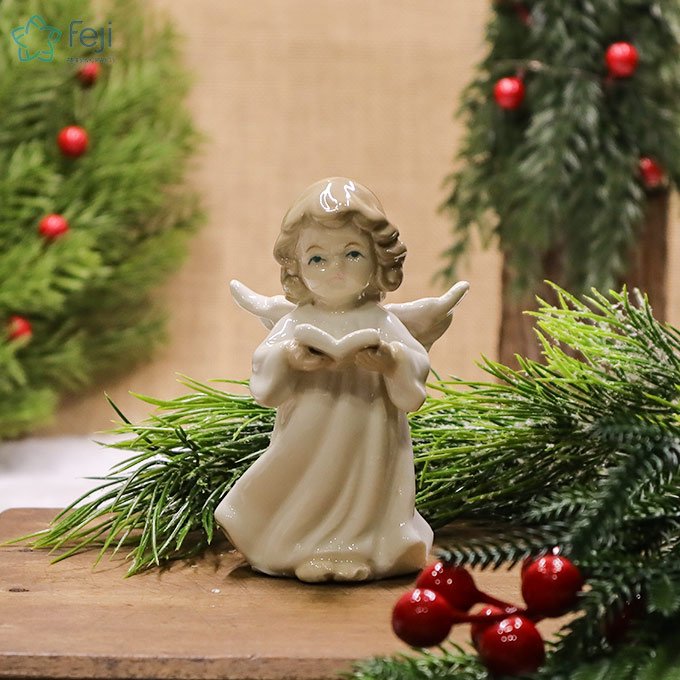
(653, 175)
(19, 327)
(73, 141)
(455, 584)
(509, 93)
(550, 585)
(512, 647)
(422, 618)
(89, 73)
(53, 226)
(476, 629)
(622, 59)
(616, 628)
(523, 12)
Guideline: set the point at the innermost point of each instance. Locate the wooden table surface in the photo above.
(211, 617)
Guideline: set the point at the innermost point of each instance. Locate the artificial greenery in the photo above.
(581, 450)
(86, 294)
(610, 416)
(560, 174)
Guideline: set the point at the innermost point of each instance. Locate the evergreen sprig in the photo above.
(609, 394)
(452, 662)
(159, 502)
(87, 294)
(561, 173)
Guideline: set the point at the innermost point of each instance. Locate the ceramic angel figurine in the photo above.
(333, 497)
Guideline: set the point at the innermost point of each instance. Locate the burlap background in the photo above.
(290, 91)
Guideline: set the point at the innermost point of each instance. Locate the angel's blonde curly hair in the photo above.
(336, 202)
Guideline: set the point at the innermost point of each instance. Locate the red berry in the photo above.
(522, 11)
(422, 618)
(455, 584)
(89, 73)
(509, 92)
(653, 175)
(53, 226)
(519, 8)
(550, 585)
(622, 59)
(512, 647)
(18, 327)
(616, 628)
(73, 141)
(476, 629)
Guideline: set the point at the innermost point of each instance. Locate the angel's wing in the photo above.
(428, 318)
(269, 310)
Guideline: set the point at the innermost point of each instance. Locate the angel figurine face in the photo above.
(363, 256)
(333, 496)
(336, 265)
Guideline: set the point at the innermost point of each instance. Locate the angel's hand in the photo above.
(303, 358)
(381, 358)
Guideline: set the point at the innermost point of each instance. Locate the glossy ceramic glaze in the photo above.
(333, 497)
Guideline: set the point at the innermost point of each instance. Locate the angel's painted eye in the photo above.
(354, 255)
(316, 259)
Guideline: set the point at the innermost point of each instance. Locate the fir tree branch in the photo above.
(86, 294)
(560, 175)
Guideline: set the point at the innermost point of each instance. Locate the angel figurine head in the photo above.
(333, 496)
(337, 248)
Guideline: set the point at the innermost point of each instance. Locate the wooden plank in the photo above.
(647, 269)
(211, 617)
(648, 258)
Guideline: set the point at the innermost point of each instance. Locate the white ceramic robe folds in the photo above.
(333, 497)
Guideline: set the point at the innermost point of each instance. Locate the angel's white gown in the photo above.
(333, 495)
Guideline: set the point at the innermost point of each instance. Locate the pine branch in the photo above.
(160, 502)
(126, 202)
(493, 546)
(452, 662)
(560, 174)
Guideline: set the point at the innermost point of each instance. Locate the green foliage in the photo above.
(561, 172)
(580, 451)
(87, 294)
(452, 662)
(603, 412)
(160, 501)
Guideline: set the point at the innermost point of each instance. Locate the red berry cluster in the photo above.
(505, 636)
(621, 59)
(73, 141)
(50, 227)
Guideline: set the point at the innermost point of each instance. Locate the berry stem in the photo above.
(509, 610)
(490, 599)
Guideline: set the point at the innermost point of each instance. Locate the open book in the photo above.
(320, 341)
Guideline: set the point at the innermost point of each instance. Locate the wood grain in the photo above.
(208, 618)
